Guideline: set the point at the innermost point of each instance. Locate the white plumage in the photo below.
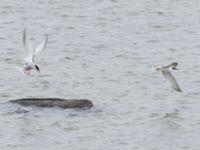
(30, 53)
(166, 71)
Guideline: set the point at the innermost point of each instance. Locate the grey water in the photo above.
(102, 50)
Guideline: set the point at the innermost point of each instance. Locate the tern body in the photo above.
(30, 53)
(166, 71)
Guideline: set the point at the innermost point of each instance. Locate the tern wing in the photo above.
(41, 47)
(172, 80)
(27, 47)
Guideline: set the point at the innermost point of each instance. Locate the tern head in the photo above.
(37, 68)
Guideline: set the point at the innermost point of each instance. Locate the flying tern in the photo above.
(30, 53)
(166, 71)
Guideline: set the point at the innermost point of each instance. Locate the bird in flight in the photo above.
(31, 54)
(166, 71)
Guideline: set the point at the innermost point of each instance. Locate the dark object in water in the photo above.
(54, 102)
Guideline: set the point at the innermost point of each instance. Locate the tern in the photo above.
(30, 53)
(166, 71)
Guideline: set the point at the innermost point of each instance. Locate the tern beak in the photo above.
(37, 68)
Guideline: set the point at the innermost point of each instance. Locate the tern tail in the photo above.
(155, 68)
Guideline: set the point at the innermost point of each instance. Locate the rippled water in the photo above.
(102, 50)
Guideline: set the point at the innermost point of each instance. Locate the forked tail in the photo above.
(155, 68)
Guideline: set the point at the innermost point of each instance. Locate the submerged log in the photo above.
(54, 102)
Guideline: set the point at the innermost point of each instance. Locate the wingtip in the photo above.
(179, 90)
(46, 41)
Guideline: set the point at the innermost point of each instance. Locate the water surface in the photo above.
(102, 50)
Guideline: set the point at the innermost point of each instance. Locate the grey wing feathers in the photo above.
(172, 80)
(41, 47)
(27, 46)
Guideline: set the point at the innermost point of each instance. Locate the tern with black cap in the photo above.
(30, 53)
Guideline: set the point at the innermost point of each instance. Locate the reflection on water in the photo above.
(103, 51)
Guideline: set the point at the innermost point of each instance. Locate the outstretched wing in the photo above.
(172, 80)
(41, 47)
(27, 47)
